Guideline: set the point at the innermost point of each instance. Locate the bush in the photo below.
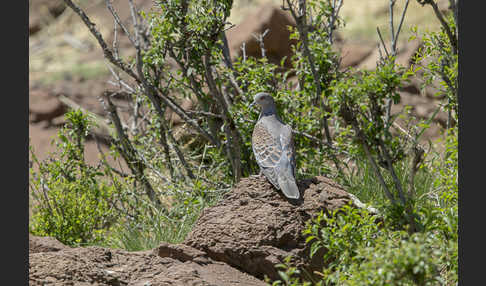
(369, 249)
(72, 201)
(412, 261)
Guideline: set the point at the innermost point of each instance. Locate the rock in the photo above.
(444, 6)
(181, 252)
(354, 53)
(46, 116)
(405, 53)
(276, 42)
(422, 107)
(415, 86)
(43, 106)
(432, 91)
(255, 226)
(41, 12)
(103, 266)
(44, 244)
(236, 242)
(412, 87)
(40, 139)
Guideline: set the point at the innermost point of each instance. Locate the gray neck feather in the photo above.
(268, 110)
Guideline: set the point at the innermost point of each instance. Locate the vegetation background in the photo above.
(346, 133)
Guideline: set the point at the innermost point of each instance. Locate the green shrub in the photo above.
(411, 261)
(367, 249)
(72, 202)
(363, 249)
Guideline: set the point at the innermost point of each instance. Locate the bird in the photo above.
(273, 147)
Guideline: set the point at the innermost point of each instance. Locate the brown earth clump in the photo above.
(104, 266)
(255, 226)
(236, 242)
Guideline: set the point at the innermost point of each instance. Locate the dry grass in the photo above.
(66, 48)
(362, 18)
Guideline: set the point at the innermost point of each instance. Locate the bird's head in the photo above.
(264, 100)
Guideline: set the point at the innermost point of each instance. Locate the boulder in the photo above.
(236, 242)
(43, 106)
(416, 86)
(405, 53)
(255, 226)
(42, 12)
(44, 244)
(103, 266)
(277, 43)
(421, 107)
(354, 53)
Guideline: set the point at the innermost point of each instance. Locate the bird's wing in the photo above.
(267, 150)
(287, 143)
(286, 166)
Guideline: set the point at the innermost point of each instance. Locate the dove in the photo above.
(273, 146)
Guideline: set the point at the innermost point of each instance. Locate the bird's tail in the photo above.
(288, 186)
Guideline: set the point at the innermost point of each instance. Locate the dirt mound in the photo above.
(255, 226)
(44, 244)
(236, 242)
(103, 266)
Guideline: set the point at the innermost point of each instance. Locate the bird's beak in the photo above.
(251, 105)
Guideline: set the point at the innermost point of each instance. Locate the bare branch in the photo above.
(399, 128)
(118, 62)
(392, 28)
(300, 20)
(382, 42)
(401, 22)
(205, 113)
(150, 90)
(243, 50)
(119, 80)
(229, 64)
(115, 41)
(129, 153)
(135, 115)
(118, 21)
(417, 159)
(336, 7)
(226, 52)
(104, 161)
(233, 136)
(398, 184)
(259, 39)
(179, 153)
